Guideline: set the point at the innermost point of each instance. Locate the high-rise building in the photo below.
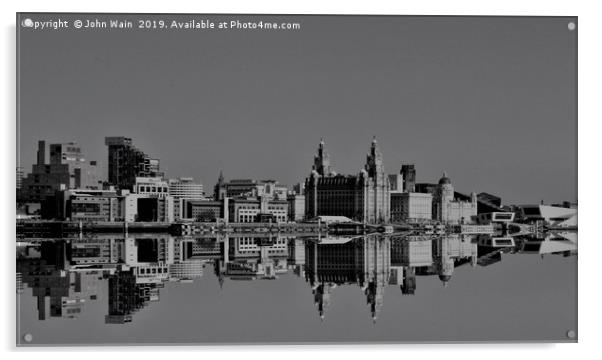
(126, 163)
(362, 197)
(67, 170)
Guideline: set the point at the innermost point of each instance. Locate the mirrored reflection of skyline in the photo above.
(67, 276)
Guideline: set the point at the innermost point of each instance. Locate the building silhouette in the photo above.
(67, 169)
(127, 162)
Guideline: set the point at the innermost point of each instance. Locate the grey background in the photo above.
(490, 100)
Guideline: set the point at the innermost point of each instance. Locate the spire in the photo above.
(373, 139)
(220, 179)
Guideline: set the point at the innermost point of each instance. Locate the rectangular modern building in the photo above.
(126, 162)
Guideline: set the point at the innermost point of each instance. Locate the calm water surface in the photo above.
(412, 288)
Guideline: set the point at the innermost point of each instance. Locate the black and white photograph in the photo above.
(262, 179)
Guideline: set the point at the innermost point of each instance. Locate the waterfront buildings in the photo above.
(262, 209)
(362, 197)
(202, 210)
(184, 188)
(126, 163)
(447, 208)
(554, 216)
(68, 169)
(411, 206)
(249, 188)
(296, 207)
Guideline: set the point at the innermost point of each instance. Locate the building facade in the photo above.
(362, 197)
(446, 208)
(126, 163)
(184, 188)
(411, 206)
(249, 188)
(251, 210)
(67, 169)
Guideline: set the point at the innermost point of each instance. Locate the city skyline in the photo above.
(469, 96)
(103, 172)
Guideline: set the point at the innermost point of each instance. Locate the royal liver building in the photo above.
(364, 197)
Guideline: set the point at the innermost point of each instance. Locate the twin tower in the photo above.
(364, 197)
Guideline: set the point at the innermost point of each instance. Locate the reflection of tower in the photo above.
(408, 286)
(377, 268)
(322, 298)
(446, 247)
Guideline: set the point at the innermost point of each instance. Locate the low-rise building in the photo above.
(255, 209)
(411, 206)
(296, 207)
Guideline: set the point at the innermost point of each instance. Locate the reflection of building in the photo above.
(364, 197)
(364, 261)
(126, 162)
(250, 258)
(59, 291)
(447, 208)
(67, 170)
(126, 296)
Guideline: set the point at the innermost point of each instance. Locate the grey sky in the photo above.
(492, 101)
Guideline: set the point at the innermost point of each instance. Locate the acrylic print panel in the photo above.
(199, 179)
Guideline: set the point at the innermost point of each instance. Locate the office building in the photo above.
(249, 188)
(182, 189)
(411, 206)
(203, 210)
(262, 209)
(67, 169)
(126, 163)
(155, 208)
(296, 207)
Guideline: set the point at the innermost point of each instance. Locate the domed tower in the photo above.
(444, 194)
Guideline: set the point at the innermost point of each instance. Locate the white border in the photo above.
(590, 61)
